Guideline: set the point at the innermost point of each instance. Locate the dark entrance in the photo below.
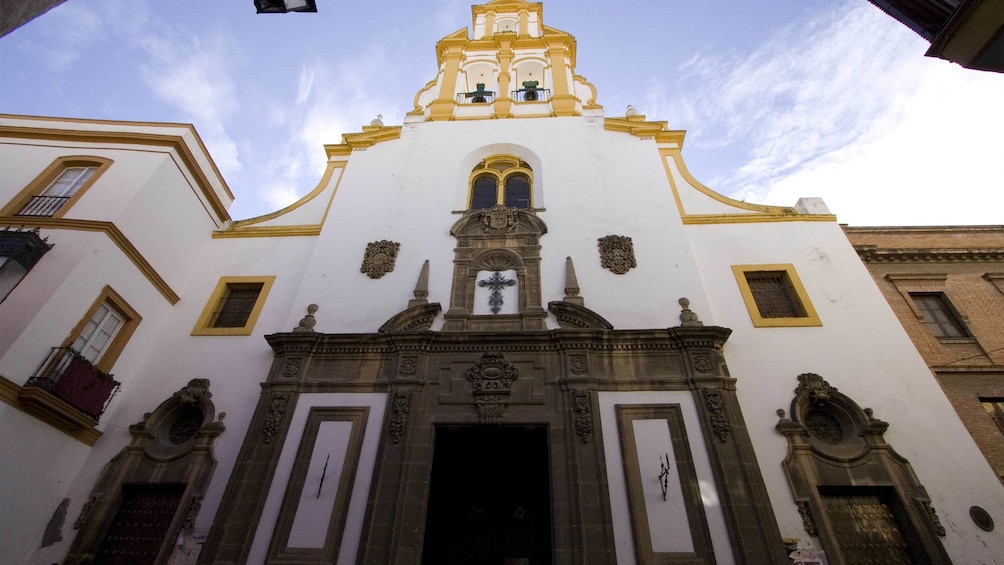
(490, 499)
(136, 536)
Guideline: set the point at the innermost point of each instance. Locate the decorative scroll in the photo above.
(716, 414)
(807, 522)
(491, 379)
(402, 403)
(818, 390)
(274, 419)
(379, 258)
(617, 253)
(583, 415)
(932, 516)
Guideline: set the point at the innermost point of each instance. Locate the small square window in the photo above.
(774, 296)
(938, 315)
(234, 306)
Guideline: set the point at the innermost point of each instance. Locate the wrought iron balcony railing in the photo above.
(476, 97)
(531, 95)
(68, 376)
(45, 206)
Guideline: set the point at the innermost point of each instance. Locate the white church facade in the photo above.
(511, 330)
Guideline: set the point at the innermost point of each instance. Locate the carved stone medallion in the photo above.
(379, 258)
(617, 253)
(499, 219)
(491, 380)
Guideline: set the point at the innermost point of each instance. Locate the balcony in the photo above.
(531, 95)
(43, 206)
(68, 376)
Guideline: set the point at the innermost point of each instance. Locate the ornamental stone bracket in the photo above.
(491, 381)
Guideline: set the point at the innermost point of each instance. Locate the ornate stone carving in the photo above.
(812, 384)
(307, 322)
(274, 419)
(932, 516)
(193, 512)
(408, 367)
(688, 318)
(499, 219)
(577, 364)
(617, 253)
(292, 368)
(583, 415)
(703, 363)
(195, 391)
(402, 403)
(824, 426)
(379, 258)
(491, 379)
(85, 511)
(807, 522)
(716, 414)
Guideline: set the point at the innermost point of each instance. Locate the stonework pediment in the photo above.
(499, 221)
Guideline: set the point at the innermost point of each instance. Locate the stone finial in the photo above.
(630, 111)
(687, 316)
(308, 322)
(378, 121)
(421, 287)
(572, 284)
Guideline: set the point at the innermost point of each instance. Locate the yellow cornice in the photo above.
(113, 233)
(638, 127)
(175, 142)
(370, 136)
(325, 178)
(591, 103)
(270, 231)
(764, 213)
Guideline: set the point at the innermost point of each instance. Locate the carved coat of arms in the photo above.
(379, 258)
(491, 380)
(499, 219)
(617, 253)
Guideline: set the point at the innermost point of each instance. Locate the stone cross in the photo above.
(496, 282)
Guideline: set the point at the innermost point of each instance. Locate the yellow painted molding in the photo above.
(638, 127)
(325, 179)
(269, 231)
(370, 136)
(50, 174)
(51, 410)
(175, 142)
(763, 213)
(591, 103)
(811, 318)
(204, 325)
(701, 219)
(113, 233)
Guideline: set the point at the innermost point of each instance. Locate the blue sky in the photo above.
(780, 98)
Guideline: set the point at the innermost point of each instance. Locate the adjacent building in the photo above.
(945, 286)
(513, 329)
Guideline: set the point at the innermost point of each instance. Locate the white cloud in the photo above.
(844, 107)
(67, 30)
(194, 78)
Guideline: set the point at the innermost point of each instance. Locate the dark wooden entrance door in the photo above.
(136, 535)
(490, 500)
(869, 528)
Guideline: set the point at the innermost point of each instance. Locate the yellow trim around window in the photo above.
(132, 320)
(205, 324)
(811, 318)
(484, 168)
(46, 177)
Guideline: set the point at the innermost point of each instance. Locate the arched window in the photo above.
(510, 174)
(58, 187)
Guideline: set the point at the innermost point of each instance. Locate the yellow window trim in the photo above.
(484, 168)
(811, 319)
(46, 177)
(132, 320)
(204, 325)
